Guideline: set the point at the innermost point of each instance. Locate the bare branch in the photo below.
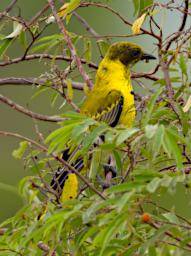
(38, 14)
(30, 113)
(44, 56)
(35, 82)
(86, 25)
(8, 9)
(186, 2)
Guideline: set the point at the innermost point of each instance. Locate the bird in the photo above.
(111, 100)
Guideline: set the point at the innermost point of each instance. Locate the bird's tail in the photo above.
(64, 181)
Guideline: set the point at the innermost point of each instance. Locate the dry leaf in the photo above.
(188, 105)
(136, 27)
(17, 29)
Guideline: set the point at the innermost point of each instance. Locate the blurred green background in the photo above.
(104, 23)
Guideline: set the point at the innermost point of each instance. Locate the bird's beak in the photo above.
(147, 56)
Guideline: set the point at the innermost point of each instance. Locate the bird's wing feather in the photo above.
(108, 108)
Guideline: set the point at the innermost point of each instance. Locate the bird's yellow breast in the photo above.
(112, 75)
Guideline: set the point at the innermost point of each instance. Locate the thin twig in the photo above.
(8, 9)
(186, 2)
(38, 14)
(86, 25)
(70, 45)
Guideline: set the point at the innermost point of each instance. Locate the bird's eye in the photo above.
(135, 53)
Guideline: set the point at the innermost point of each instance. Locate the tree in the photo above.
(152, 158)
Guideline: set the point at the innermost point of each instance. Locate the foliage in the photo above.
(152, 159)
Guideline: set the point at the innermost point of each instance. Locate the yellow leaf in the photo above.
(136, 27)
(62, 11)
(188, 105)
(65, 10)
(70, 92)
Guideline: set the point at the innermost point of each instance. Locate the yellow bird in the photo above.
(111, 100)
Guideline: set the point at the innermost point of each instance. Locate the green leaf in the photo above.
(82, 128)
(55, 37)
(157, 235)
(107, 233)
(183, 64)
(157, 140)
(125, 134)
(18, 153)
(125, 187)
(5, 45)
(152, 251)
(59, 138)
(136, 6)
(75, 115)
(172, 149)
(184, 118)
(103, 47)
(162, 81)
(150, 130)
(38, 167)
(170, 216)
(95, 164)
(87, 49)
(53, 99)
(151, 106)
(40, 47)
(23, 39)
(144, 4)
(117, 160)
(153, 185)
(122, 202)
(88, 141)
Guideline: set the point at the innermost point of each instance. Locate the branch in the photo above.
(35, 82)
(149, 75)
(44, 56)
(70, 45)
(86, 25)
(8, 9)
(186, 2)
(86, 4)
(165, 69)
(10, 6)
(38, 14)
(30, 113)
(56, 157)
(169, 234)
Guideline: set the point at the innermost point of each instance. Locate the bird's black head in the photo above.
(127, 53)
